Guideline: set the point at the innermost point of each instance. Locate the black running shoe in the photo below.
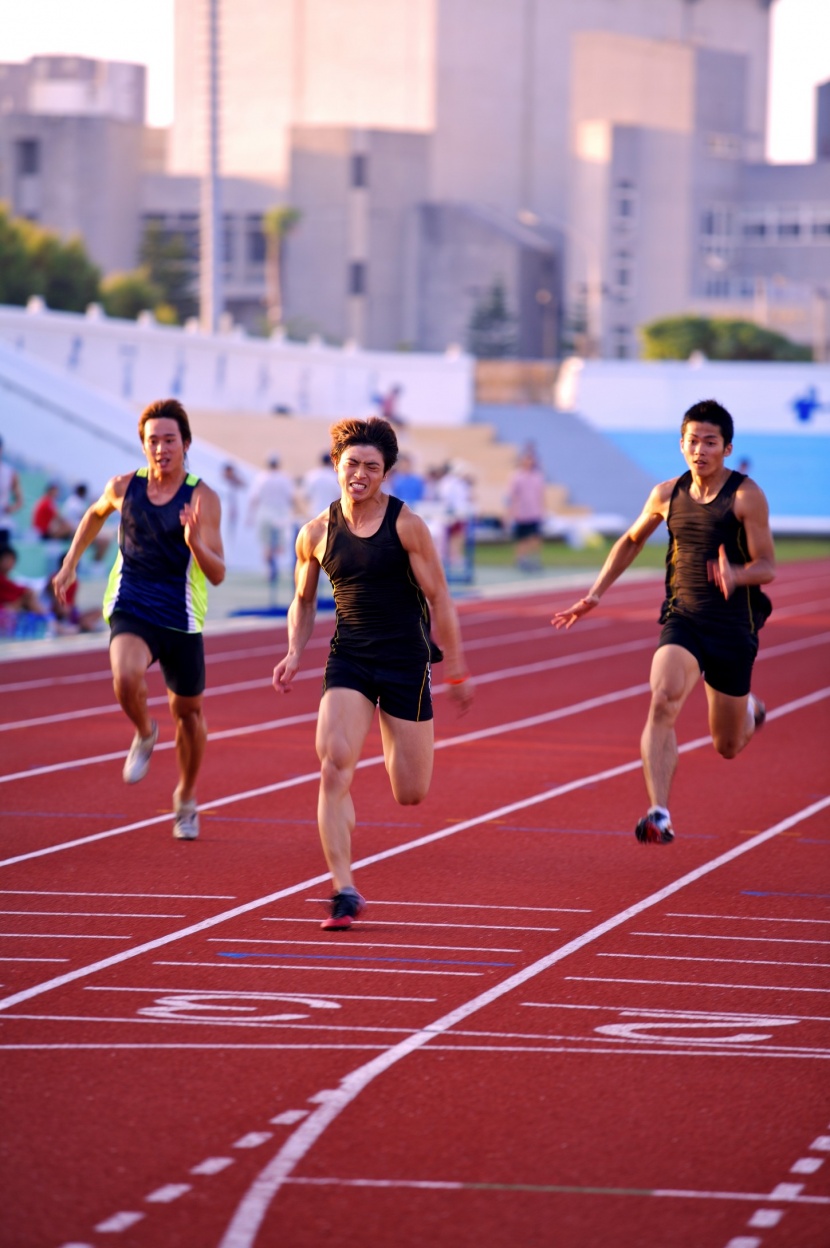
(654, 829)
(345, 907)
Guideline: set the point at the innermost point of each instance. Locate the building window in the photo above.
(624, 206)
(755, 228)
(622, 276)
(622, 346)
(360, 169)
(255, 247)
(725, 146)
(28, 157)
(228, 240)
(357, 277)
(821, 226)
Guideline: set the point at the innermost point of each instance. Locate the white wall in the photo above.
(139, 362)
(652, 396)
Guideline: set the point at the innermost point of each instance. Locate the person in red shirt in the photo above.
(13, 596)
(46, 517)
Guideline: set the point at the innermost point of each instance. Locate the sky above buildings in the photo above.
(124, 31)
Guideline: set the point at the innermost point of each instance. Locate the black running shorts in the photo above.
(181, 656)
(724, 659)
(402, 692)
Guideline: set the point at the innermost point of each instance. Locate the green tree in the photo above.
(492, 328)
(169, 265)
(70, 281)
(676, 337)
(277, 224)
(36, 261)
(125, 295)
(18, 279)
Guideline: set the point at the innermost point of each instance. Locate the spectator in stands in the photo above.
(11, 498)
(388, 404)
(526, 511)
(320, 487)
(233, 483)
(455, 493)
(13, 595)
(407, 484)
(73, 511)
(271, 505)
(46, 516)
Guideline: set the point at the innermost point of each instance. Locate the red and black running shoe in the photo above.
(345, 907)
(654, 829)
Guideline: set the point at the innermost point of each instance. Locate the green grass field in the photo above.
(556, 555)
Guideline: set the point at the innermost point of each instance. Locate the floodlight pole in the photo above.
(210, 267)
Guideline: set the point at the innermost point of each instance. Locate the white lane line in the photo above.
(754, 940)
(481, 679)
(290, 1116)
(305, 885)
(573, 1047)
(34, 959)
(745, 918)
(475, 927)
(170, 1192)
(55, 936)
(314, 776)
(295, 966)
(90, 914)
(372, 944)
(228, 733)
(689, 983)
(807, 1165)
(673, 957)
(118, 1222)
(466, 905)
(543, 1189)
(253, 1139)
(212, 1165)
(264, 682)
(244, 1225)
(234, 994)
(40, 892)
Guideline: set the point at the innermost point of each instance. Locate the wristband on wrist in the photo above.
(594, 598)
(458, 680)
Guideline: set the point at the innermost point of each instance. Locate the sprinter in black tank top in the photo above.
(389, 586)
(720, 552)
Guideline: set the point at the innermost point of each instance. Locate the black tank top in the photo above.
(381, 611)
(696, 532)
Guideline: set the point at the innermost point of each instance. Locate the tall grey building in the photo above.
(598, 162)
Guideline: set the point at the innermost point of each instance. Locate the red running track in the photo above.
(542, 1033)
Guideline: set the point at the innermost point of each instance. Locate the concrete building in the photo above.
(71, 136)
(599, 161)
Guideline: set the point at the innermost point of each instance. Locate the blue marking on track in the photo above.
(358, 957)
(756, 892)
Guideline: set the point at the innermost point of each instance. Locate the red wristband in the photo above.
(458, 680)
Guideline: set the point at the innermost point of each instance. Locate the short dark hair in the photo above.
(166, 409)
(372, 432)
(713, 413)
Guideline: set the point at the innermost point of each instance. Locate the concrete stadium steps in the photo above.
(300, 441)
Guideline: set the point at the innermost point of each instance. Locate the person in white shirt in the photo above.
(271, 505)
(320, 487)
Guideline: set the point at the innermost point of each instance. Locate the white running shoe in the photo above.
(137, 762)
(186, 821)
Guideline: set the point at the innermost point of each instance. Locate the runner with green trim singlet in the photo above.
(169, 547)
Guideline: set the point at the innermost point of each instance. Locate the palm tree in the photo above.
(277, 224)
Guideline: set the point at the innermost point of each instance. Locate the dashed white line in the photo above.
(212, 1165)
(167, 1194)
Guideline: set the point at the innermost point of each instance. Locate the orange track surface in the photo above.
(541, 1033)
